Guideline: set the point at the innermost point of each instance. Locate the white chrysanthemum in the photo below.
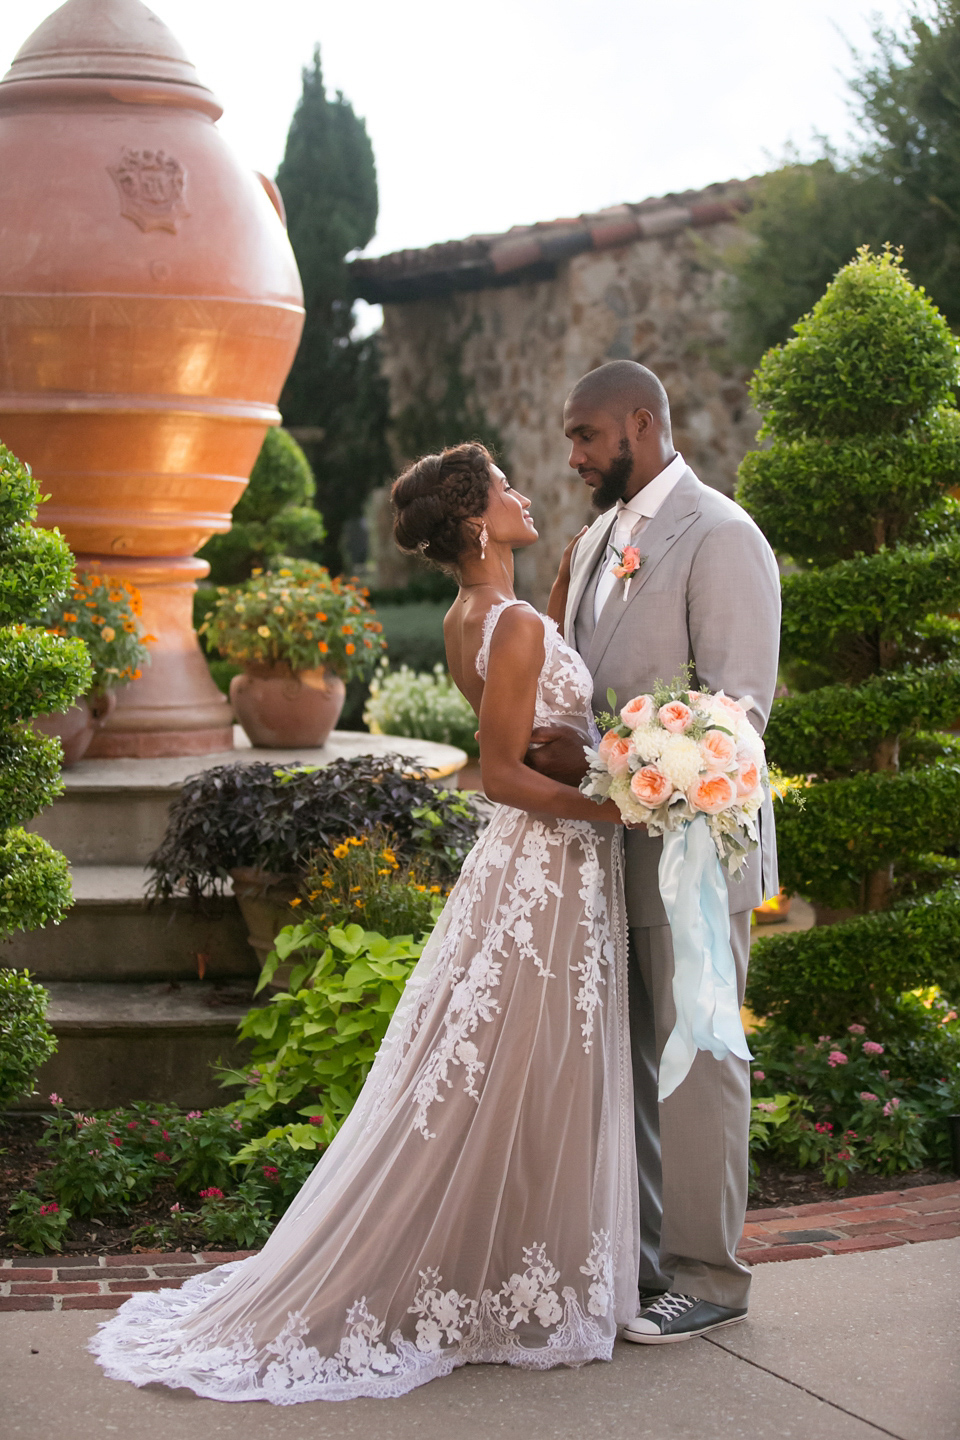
(648, 742)
(627, 803)
(680, 760)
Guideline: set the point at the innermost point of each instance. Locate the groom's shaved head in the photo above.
(617, 419)
(622, 387)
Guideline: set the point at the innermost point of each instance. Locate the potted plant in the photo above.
(299, 635)
(105, 614)
(258, 827)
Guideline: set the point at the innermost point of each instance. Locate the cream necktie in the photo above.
(627, 522)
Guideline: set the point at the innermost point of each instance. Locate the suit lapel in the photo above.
(585, 559)
(676, 514)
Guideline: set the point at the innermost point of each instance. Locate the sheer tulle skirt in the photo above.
(480, 1203)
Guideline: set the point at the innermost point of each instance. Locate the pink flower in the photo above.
(236, 1124)
(823, 1127)
(316, 1119)
(161, 1157)
(748, 778)
(638, 711)
(131, 1124)
(718, 750)
(194, 1114)
(891, 1105)
(844, 1155)
(614, 751)
(271, 1173)
(868, 1095)
(870, 1047)
(52, 1209)
(155, 1122)
(734, 708)
(759, 1075)
(768, 1105)
(54, 1098)
(212, 1194)
(950, 1015)
(115, 1141)
(175, 1209)
(849, 1134)
(711, 793)
(885, 1074)
(675, 716)
(651, 787)
(857, 1029)
(835, 1058)
(629, 564)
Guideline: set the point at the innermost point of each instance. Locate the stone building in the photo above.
(486, 336)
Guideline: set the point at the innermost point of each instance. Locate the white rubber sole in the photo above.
(628, 1334)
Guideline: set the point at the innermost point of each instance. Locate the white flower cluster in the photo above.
(422, 706)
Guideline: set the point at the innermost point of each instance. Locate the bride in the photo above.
(479, 1204)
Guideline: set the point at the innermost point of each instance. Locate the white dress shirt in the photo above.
(633, 517)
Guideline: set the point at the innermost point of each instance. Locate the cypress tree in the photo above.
(854, 488)
(329, 186)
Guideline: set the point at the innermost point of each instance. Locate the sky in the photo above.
(484, 116)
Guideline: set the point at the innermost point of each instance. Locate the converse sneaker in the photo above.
(678, 1317)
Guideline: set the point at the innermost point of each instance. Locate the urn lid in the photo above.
(103, 39)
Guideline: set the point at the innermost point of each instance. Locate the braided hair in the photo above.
(435, 496)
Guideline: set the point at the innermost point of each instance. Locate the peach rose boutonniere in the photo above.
(627, 564)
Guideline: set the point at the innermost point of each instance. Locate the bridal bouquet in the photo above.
(689, 766)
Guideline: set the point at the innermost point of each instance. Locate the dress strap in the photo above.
(489, 625)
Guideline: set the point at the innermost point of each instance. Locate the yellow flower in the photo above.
(264, 630)
(108, 633)
(257, 572)
(239, 607)
(354, 889)
(298, 901)
(284, 572)
(261, 594)
(341, 852)
(278, 610)
(434, 889)
(327, 883)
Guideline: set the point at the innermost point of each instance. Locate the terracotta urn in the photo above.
(76, 727)
(286, 709)
(150, 309)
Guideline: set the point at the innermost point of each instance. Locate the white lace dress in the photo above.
(480, 1203)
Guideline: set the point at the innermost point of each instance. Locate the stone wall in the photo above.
(657, 299)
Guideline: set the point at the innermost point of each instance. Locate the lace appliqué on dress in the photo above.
(451, 1330)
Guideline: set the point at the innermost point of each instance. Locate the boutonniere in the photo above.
(627, 564)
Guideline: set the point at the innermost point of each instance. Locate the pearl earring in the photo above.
(483, 537)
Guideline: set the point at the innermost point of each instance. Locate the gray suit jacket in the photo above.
(708, 591)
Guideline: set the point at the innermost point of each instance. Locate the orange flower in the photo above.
(616, 752)
(137, 674)
(711, 793)
(69, 616)
(346, 629)
(748, 778)
(651, 787)
(351, 649)
(320, 615)
(323, 647)
(718, 750)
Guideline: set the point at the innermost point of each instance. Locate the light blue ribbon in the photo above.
(704, 973)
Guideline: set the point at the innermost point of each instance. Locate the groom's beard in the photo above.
(614, 480)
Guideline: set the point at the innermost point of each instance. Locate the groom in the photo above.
(707, 592)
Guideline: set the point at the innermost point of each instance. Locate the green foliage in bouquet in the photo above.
(864, 444)
(273, 516)
(425, 706)
(39, 673)
(296, 615)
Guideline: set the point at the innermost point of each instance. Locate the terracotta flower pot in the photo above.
(76, 727)
(287, 709)
(264, 901)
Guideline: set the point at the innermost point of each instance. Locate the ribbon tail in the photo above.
(704, 974)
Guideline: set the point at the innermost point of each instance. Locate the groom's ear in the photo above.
(642, 424)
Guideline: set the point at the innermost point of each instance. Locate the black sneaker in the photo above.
(678, 1317)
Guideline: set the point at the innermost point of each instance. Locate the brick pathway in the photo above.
(796, 1232)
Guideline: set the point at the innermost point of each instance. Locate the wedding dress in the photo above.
(479, 1205)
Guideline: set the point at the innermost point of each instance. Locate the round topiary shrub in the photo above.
(39, 674)
(273, 516)
(865, 444)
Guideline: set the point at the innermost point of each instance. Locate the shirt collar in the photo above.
(648, 500)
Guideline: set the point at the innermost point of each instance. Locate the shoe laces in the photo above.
(671, 1306)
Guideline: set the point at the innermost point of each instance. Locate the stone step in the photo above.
(114, 812)
(121, 1043)
(111, 934)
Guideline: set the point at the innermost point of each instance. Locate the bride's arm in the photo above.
(557, 604)
(506, 721)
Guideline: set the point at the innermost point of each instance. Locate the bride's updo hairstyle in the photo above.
(435, 497)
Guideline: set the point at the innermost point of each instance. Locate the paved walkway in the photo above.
(866, 1346)
(796, 1232)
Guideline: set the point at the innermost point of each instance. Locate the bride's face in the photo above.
(507, 515)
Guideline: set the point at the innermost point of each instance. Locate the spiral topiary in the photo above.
(39, 673)
(865, 445)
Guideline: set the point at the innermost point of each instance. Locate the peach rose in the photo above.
(675, 717)
(711, 793)
(614, 751)
(651, 787)
(718, 750)
(733, 708)
(748, 778)
(638, 711)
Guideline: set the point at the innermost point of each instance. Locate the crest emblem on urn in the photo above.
(151, 189)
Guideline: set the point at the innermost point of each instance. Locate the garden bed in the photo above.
(21, 1161)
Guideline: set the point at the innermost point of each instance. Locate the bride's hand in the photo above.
(563, 573)
(557, 604)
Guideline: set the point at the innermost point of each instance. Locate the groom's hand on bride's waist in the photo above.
(557, 751)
